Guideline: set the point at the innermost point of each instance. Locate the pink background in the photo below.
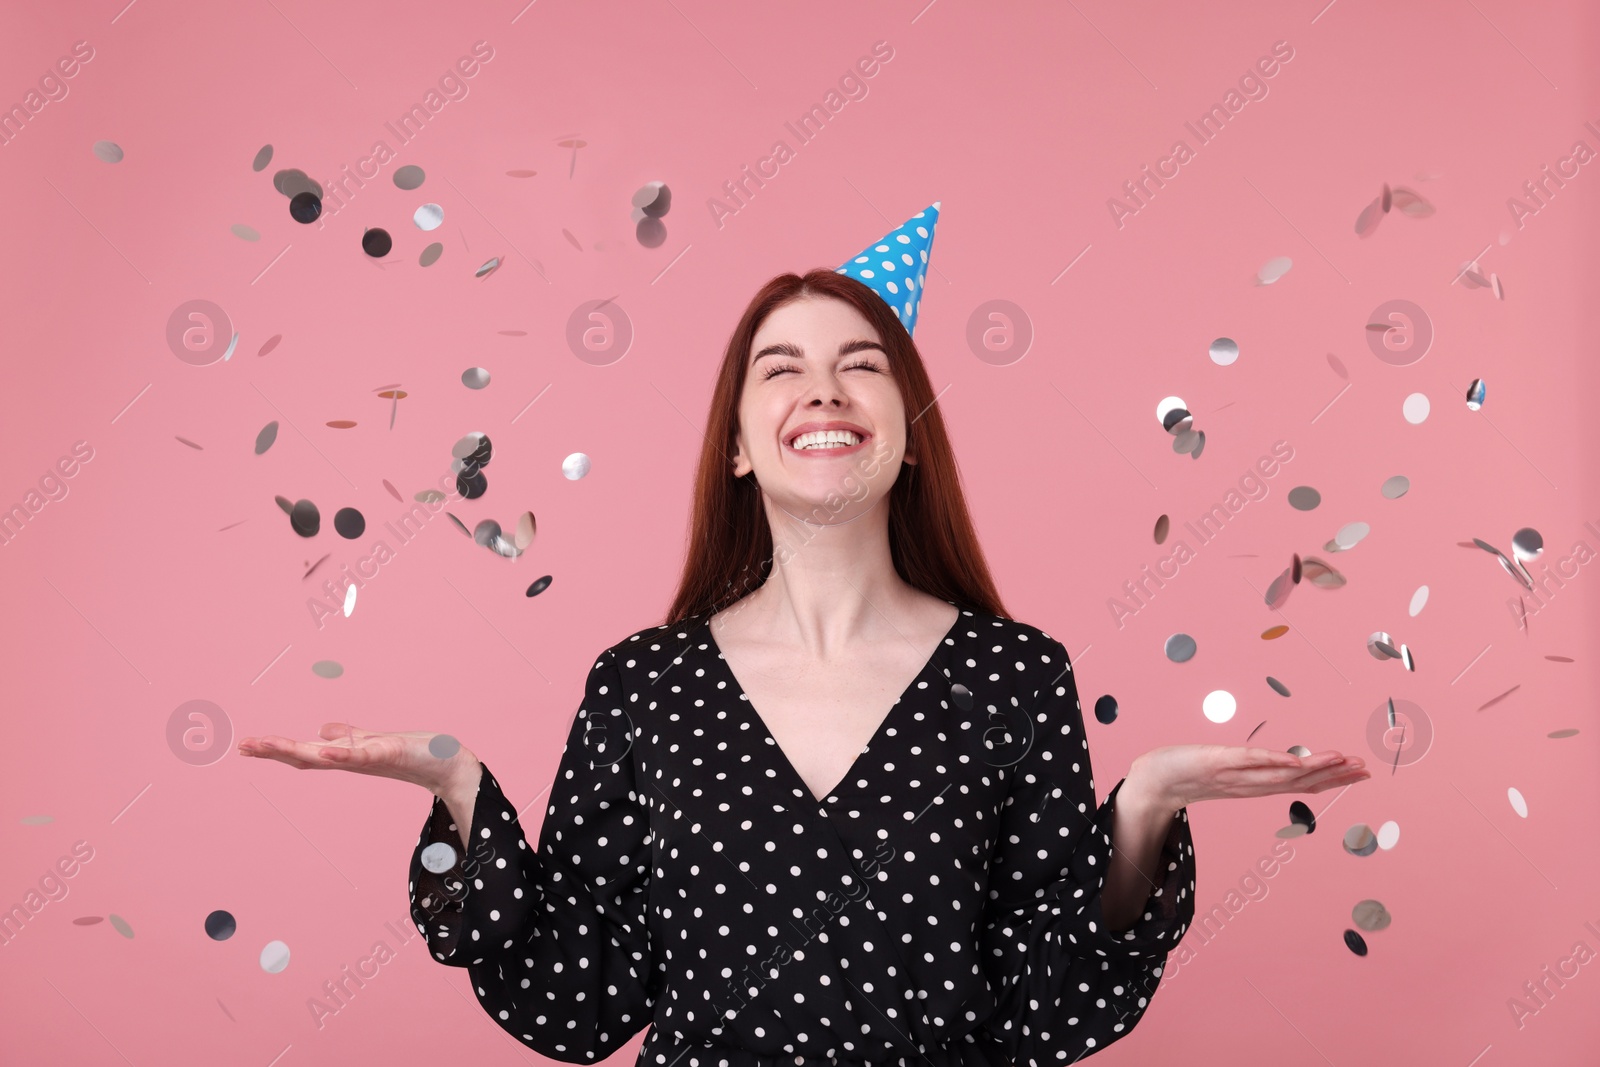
(128, 599)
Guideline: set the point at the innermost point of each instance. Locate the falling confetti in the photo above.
(1370, 915)
(574, 144)
(1359, 840)
(527, 528)
(349, 523)
(108, 151)
(1273, 269)
(305, 207)
(1411, 203)
(220, 925)
(190, 443)
(1219, 705)
(575, 466)
(1180, 648)
(1518, 804)
(1304, 498)
(268, 434)
(270, 344)
(263, 157)
(409, 177)
(428, 217)
(327, 668)
(304, 518)
(376, 242)
(274, 957)
(247, 233)
(1224, 350)
(1371, 215)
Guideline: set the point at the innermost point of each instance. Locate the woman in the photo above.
(839, 807)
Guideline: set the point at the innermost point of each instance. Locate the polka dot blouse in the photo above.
(940, 907)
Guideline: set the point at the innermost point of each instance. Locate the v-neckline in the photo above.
(883, 725)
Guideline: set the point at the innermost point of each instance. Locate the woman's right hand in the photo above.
(344, 747)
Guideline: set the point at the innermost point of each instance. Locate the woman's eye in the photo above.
(779, 368)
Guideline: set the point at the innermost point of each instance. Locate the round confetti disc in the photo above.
(305, 207)
(376, 243)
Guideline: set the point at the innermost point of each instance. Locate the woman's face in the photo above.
(818, 364)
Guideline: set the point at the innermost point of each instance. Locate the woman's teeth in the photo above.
(826, 439)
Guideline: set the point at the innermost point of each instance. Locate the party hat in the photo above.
(896, 265)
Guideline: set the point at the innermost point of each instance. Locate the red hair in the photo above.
(931, 539)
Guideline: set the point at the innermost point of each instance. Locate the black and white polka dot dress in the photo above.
(940, 907)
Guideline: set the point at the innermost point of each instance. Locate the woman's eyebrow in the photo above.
(787, 348)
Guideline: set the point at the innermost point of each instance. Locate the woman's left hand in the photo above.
(1175, 776)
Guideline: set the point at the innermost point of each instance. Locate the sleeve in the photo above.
(556, 941)
(1065, 986)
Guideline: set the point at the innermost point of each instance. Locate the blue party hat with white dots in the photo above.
(896, 265)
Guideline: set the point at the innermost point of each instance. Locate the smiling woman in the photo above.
(836, 710)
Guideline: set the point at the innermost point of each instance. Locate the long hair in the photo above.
(931, 538)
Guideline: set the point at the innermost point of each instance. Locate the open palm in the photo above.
(1182, 774)
(405, 756)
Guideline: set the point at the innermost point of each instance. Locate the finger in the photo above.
(1266, 757)
(353, 758)
(1341, 781)
(307, 752)
(1331, 778)
(268, 751)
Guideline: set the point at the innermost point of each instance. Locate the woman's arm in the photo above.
(460, 795)
(1139, 827)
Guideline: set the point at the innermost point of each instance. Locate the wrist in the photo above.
(1142, 793)
(461, 781)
